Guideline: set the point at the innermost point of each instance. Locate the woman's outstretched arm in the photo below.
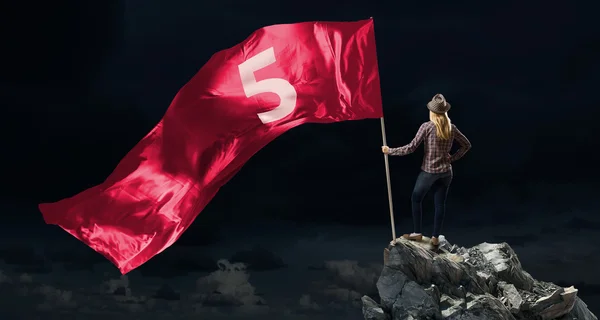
(412, 146)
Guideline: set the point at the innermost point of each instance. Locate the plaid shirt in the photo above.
(437, 151)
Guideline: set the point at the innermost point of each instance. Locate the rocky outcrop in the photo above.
(449, 282)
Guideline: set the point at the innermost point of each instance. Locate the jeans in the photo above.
(439, 183)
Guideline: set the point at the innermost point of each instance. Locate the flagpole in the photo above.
(387, 175)
(389, 183)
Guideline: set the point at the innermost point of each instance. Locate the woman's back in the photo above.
(437, 157)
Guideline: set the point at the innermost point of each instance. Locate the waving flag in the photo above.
(240, 100)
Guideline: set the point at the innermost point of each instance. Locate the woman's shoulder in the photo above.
(427, 127)
(427, 124)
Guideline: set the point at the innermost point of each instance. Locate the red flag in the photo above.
(240, 100)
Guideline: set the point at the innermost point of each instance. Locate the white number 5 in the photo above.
(286, 92)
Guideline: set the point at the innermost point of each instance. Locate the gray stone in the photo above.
(450, 306)
(507, 265)
(556, 304)
(389, 286)
(372, 311)
(413, 302)
(512, 298)
(434, 292)
(483, 307)
(450, 282)
(412, 260)
(579, 312)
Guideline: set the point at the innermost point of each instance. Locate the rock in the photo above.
(415, 303)
(579, 312)
(507, 265)
(486, 281)
(450, 306)
(558, 303)
(372, 311)
(434, 292)
(389, 286)
(512, 298)
(483, 307)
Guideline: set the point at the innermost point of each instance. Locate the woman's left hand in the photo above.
(385, 149)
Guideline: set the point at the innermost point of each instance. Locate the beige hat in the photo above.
(438, 104)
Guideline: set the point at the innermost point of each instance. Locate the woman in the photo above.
(436, 173)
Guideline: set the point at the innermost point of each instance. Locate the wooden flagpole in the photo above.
(389, 183)
(387, 175)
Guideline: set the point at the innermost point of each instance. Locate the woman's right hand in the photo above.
(385, 149)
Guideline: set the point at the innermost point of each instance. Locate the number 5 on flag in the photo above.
(282, 88)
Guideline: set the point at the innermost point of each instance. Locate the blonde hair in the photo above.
(442, 124)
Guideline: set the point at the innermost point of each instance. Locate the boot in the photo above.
(413, 236)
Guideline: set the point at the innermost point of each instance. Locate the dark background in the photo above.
(82, 82)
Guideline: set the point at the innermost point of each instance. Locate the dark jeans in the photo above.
(439, 183)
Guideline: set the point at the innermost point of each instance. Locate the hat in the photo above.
(438, 104)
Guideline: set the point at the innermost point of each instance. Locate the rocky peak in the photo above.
(451, 282)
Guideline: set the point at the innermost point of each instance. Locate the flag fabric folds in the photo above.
(281, 76)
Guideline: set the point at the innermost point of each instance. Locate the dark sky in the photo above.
(82, 83)
(85, 83)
